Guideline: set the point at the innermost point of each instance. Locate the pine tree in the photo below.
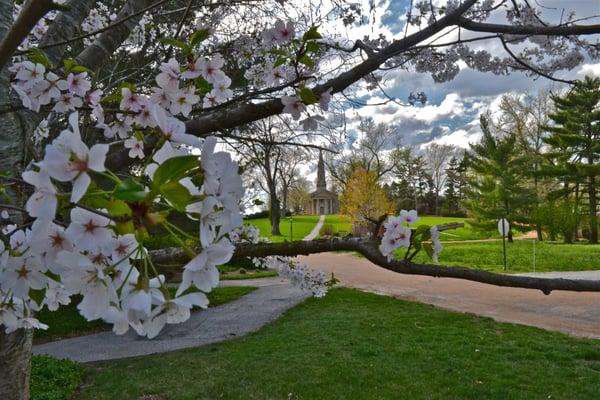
(455, 185)
(495, 180)
(575, 136)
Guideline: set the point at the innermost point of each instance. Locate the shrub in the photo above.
(327, 230)
(54, 379)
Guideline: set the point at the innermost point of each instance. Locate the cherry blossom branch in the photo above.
(101, 30)
(369, 248)
(559, 30)
(530, 67)
(30, 14)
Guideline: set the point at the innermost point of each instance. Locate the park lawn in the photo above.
(302, 225)
(340, 224)
(549, 256)
(354, 345)
(67, 322)
(248, 275)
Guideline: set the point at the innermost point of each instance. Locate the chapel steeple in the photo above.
(321, 184)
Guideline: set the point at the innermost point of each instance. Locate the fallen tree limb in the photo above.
(369, 247)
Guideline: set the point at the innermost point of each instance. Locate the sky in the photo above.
(452, 112)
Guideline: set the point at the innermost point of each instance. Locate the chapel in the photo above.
(323, 201)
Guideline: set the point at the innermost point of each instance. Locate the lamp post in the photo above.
(291, 226)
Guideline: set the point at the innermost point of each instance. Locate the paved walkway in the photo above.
(315, 232)
(230, 320)
(568, 312)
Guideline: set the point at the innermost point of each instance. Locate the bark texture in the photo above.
(15, 348)
(15, 364)
(108, 42)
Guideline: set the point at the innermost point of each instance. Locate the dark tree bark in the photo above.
(15, 364)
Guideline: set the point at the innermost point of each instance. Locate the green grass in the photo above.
(353, 345)
(67, 322)
(248, 275)
(338, 223)
(54, 379)
(302, 225)
(549, 256)
(467, 232)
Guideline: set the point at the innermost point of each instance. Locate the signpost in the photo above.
(503, 227)
(291, 227)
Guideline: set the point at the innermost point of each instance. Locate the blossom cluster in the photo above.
(299, 274)
(398, 233)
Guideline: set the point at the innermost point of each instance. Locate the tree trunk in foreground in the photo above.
(15, 364)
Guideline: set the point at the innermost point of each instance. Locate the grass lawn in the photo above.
(301, 226)
(248, 275)
(353, 345)
(336, 223)
(67, 322)
(549, 256)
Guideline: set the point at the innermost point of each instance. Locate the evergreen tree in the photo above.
(495, 180)
(575, 135)
(455, 185)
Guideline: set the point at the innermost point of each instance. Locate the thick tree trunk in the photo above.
(15, 348)
(275, 214)
(15, 364)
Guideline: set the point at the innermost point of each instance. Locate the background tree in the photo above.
(364, 199)
(437, 157)
(411, 182)
(299, 195)
(372, 152)
(526, 116)
(455, 185)
(289, 173)
(495, 174)
(576, 132)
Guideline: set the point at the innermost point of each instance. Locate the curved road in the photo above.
(568, 312)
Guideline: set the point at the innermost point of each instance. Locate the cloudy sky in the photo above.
(452, 112)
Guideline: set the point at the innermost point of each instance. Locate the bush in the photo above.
(54, 379)
(327, 230)
(256, 215)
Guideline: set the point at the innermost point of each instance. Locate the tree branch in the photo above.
(560, 30)
(368, 247)
(109, 41)
(29, 16)
(249, 112)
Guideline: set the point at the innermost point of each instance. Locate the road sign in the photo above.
(503, 226)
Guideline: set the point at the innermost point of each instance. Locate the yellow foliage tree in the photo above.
(364, 199)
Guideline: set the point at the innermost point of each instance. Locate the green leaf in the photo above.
(130, 190)
(173, 42)
(279, 61)
(118, 208)
(124, 228)
(258, 202)
(307, 96)
(306, 60)
(198, 37)
(39, 57)
(176, 194)
(279, 52)
(311, 34)
(202, 85)
(312, 47)
(421, 229)
(174, 169)
(428, 249)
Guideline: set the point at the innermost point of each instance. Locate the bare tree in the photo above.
(437, 157)
(371, 152)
